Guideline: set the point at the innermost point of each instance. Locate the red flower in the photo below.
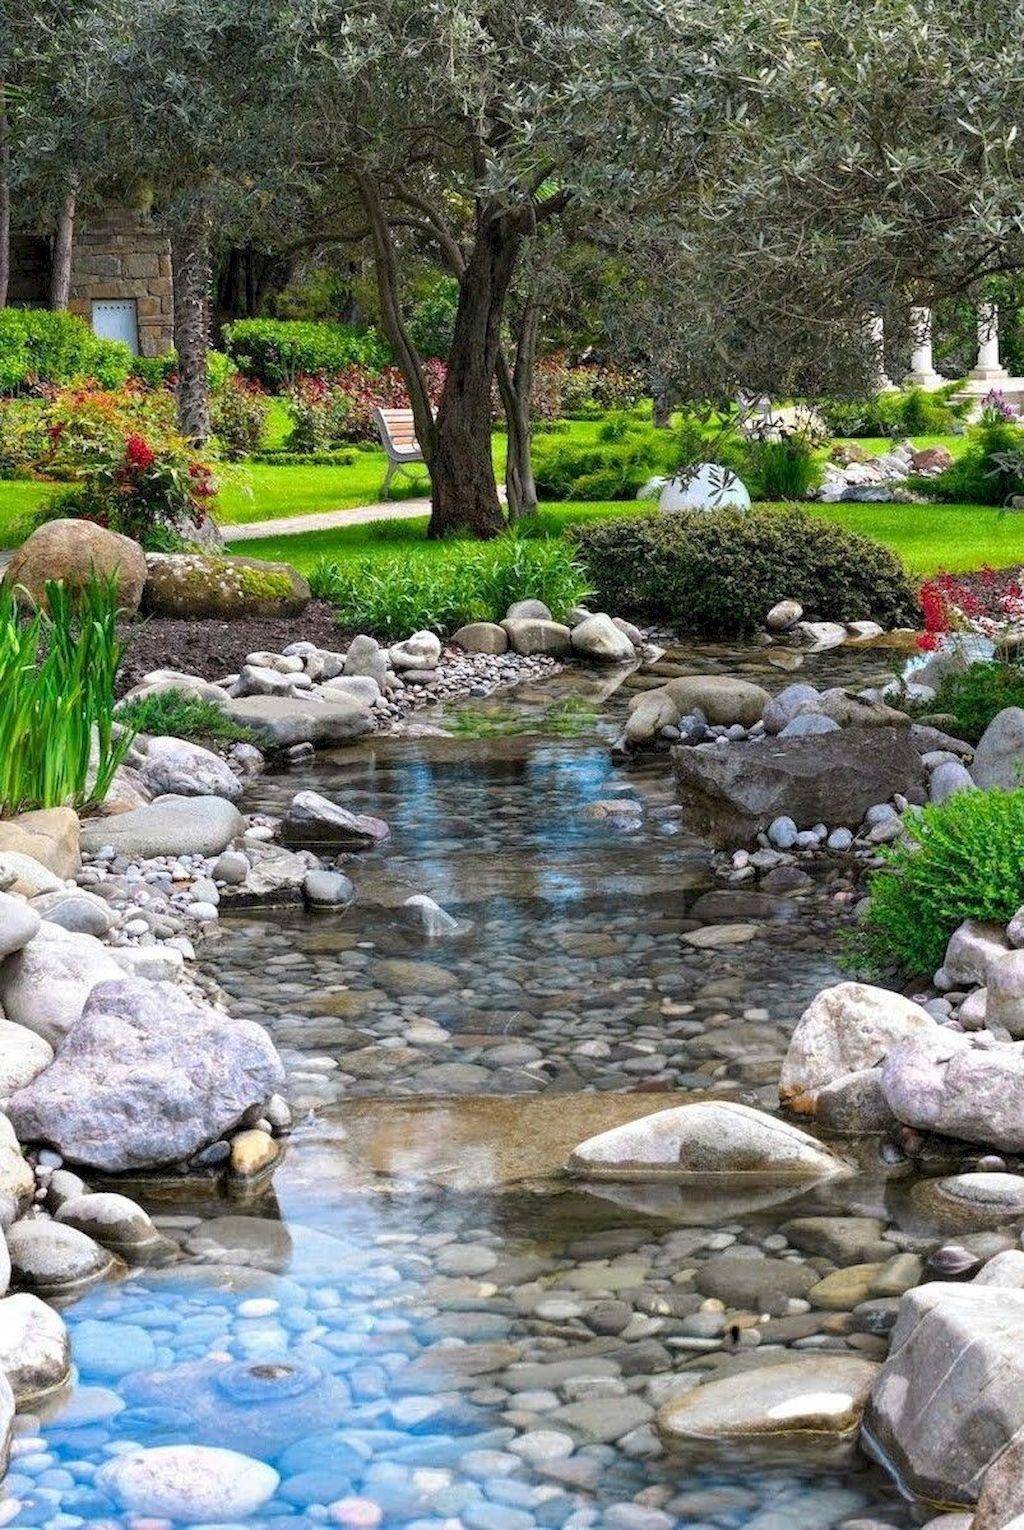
(138, 453)
(928, 642)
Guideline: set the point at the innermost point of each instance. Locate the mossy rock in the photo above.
(206, 584)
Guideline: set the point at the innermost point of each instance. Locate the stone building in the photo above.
(120, 278)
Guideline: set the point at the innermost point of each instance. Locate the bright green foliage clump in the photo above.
(181, 716)
(788, 469)
(911, 412)
(974, 695)
(989, 471)
(37, 346)
(966, 862)
(716, 573)
(394, 595)
(277, 351)
(58, 742)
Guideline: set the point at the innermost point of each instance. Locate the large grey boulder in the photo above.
(950, 1397)
(199, 1484)
(966, 1086)
(815, 1400)
(44, 986)
(648, 713)
(999, 757)
(723, 699)
(535, 634)
(366, 657)
(481, 637)
(170, 825)
(845, 1029)
(312, 819)
(729, 795)
(148, 1076)
(709, 1137)
(77, 909)
(949, 778)
(971, 948)
(598, 638)
(184, 769)
(792, 702)
(35, 1355)
(421, 651)
(1001, 1501)
(118, 1223)
(281, 721)
(1004, 1003)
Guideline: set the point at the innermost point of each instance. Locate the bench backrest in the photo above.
(397, 428)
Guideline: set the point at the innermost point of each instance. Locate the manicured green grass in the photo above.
(18, 503)
(956, 538)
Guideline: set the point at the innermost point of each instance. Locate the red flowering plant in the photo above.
(129, 466)
(986, 604)
(328, 412)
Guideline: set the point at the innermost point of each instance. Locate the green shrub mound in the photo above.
(392, 596)
(966, 862)
(974, 695)
(989, 471)
(716, 573)
(37, 346)
(912, 412)
(277, 351)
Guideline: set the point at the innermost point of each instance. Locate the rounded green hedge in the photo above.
(276, 351)
(37, 346)
(717, 573)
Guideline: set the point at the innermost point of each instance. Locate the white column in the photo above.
(922, 372)
(988, 369)
(875, 332)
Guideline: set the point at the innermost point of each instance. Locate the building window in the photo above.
(117, 319)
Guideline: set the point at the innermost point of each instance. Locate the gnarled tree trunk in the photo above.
(464, 495)
(63, 240)
(190, 258)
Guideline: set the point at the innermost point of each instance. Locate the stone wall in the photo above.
(116, 255)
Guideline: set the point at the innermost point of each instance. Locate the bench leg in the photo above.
(387, 479)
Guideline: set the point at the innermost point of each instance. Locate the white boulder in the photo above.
(845, 1029)
(704, 486)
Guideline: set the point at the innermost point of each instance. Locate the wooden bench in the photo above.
(397, 431)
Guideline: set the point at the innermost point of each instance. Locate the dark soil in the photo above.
(212, 649)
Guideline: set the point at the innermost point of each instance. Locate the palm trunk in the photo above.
(190, 257)
(515, 385)
(60, 267)
(5, 199)
(464, 497)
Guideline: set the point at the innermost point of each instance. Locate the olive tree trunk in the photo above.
(5, 199)
(190, 258)
(515, 384)
(63, 240)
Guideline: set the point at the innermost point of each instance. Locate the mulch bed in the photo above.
(214, 648)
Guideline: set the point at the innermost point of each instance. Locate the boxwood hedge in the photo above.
(716, 573)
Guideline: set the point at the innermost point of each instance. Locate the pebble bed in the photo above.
(490, 1361)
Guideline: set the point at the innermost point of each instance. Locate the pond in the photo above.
(419, 1324)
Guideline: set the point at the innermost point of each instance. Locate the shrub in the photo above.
(991, 469)
(455, 583)
(277, 351)
(912, 412)
(57, 676)
(613, 467)
(182, 716)
(785, 469)
(319, 411)
(716, 573)
(162, 371)
(976, 693)
(131, 468)
(965, 862)
(37, 346)
(238, 415)
(432, 320)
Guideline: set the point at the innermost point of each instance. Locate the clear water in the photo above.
(575, 973)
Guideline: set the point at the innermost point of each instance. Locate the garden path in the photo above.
(326, 520)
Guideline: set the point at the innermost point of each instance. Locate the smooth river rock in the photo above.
(35, 1355)
(999, 757)
(845, 1029)
(722, 699)
(707, 1137)
(815, 1400)
(23, 1054)
(195, 1483)
(148, 1076)
(170, 825)
(312, 819)
(44, 987)
(176, 766)
(54, 1260)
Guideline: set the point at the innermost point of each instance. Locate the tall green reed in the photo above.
(58, 740)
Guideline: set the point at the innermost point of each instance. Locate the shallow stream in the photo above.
(419, 1324)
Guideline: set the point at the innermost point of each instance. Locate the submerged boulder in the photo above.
(188, 1482)
(722, 699)
(845, 1029)
(709, 1137)
(148, 1076)
(312, 819)
(730, 795)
